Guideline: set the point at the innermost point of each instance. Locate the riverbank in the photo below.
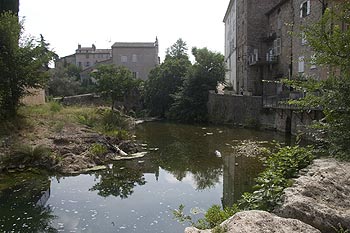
(318, 201)
(67, 140)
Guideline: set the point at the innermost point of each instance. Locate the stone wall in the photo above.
(35, 97)
(86, 99)
(249, 111)
(239, 110)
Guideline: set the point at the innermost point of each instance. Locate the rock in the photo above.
(321, 197)
(256, 221)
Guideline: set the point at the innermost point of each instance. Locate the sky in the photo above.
(67, 23)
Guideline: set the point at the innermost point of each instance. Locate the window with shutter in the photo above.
(301, 65)
(277, 47)
(305, 9)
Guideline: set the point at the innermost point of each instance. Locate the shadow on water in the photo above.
(23, 203)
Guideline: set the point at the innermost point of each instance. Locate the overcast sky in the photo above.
(67, 23)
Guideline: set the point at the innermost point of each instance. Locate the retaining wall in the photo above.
(248, 111)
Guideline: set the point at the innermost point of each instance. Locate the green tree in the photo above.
(190, 103)
(330, 39)
(9, 5)
(23, 65)
(115, 82)
(166, 79)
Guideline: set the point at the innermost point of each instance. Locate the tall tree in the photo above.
(166, 79)
(190, 103)
(330, 39)
(9, 5)
(22, 66)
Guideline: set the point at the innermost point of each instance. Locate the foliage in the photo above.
(166, 79)
(27, 154)
(190, 103)
(110, 122)
(22, 65)
(281, 167)
(340, 229)
(330, 39)
(9, 5)
(115, 82)
(55, 106)
(65, 81)
(98, 149)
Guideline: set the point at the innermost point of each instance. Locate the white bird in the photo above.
(217, 153)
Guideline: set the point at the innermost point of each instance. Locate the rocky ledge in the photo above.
(256, 221)
(319, 201)
(321, 196)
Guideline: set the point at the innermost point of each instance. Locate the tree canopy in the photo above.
(9, 5)
(114, 82)
(190, 103)
(23, 65)
(330, 39)
(165, 80)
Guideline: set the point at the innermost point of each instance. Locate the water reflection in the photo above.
(138, 195)
(239, 174)
(23, 205)
(184, 150)
(120, 179)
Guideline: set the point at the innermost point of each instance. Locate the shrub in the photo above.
(280, 168)
(55, 106)
(98, 149)
(28, 155)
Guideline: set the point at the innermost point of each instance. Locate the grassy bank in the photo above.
(37, 136)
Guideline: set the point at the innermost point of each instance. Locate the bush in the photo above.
(28, 155)
(55, 106)
(280, 168)
(98, 149)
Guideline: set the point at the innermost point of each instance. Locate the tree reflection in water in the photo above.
(23, 203)
(120, 180)
(184, 150)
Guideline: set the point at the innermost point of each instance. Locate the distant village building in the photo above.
(139, 57)
(85, 57)
(259, 46)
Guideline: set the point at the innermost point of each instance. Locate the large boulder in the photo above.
(256, 221)
(321, 197)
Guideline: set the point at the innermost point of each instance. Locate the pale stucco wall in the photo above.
(36, 97)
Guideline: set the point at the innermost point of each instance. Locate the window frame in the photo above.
(305, 8)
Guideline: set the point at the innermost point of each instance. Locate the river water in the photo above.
(139, 195)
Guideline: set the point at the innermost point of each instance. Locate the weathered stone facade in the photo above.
(140, 58)
(85, 57)
(263, 41)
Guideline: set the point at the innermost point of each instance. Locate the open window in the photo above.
(305, 9)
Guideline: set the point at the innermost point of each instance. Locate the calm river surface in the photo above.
(137, 196)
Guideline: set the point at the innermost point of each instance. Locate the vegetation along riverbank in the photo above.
(67, 139)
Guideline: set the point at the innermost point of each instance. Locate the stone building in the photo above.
(139, 57)
(245, 23)
(263, 41)
(85, 57)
